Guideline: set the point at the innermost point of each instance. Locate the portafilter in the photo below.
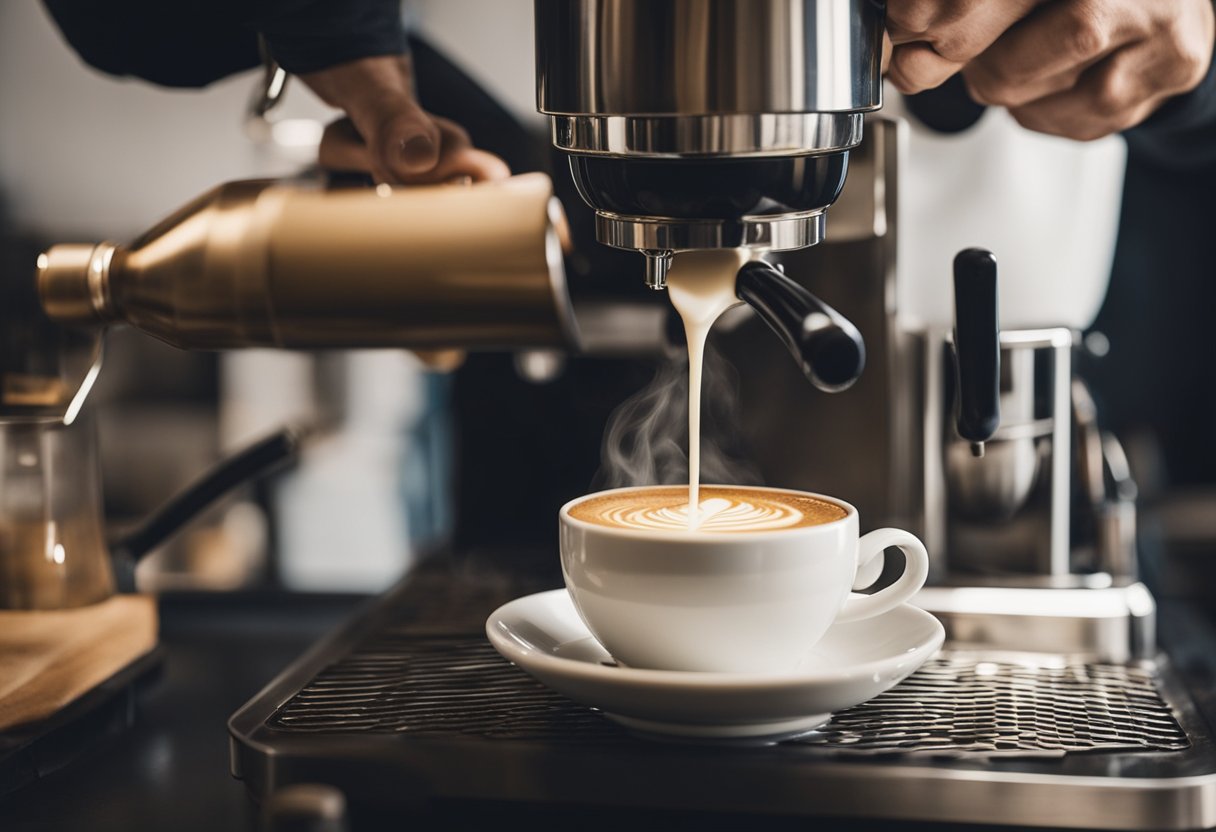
(720, 124)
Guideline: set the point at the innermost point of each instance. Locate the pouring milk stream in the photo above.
(701, 285)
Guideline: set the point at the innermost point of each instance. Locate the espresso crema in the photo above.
(723, 509)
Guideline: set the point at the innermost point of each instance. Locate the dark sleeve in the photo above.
(1182, 133)
(185, 43)
(308, 35)
(191, 43)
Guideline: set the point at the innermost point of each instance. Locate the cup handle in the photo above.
(916, 571)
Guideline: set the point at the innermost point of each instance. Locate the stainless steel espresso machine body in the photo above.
(721, 124)
(725, 124)
(732, 124)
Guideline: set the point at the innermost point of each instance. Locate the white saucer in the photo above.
(855, 661)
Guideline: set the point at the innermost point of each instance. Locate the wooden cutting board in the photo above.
(48, 658)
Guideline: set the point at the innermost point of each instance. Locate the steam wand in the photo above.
(826, 345)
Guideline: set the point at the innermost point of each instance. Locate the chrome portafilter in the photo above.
(660, 206)
(723, 125)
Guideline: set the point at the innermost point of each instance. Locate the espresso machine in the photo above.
(702, 125)
(732, 124)
(672, 160)
(753, 158)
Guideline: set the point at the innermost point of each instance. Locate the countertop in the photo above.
(170, 770)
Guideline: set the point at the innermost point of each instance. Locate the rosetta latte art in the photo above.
(714, 515)
(722, 510)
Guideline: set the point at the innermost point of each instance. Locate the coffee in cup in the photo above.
(750, 588)
(724, 509)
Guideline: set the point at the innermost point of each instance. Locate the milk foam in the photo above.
(724, 509)
(715, 514)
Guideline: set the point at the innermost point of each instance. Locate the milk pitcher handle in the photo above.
(916, 571)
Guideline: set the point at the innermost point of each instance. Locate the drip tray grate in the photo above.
(959, 704)
(410, 706)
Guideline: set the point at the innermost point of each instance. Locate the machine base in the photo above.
(410, 707)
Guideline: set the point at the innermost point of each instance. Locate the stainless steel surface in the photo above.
(996, 486)
(915, 473)
(993, 485)
(1091, 472)
(1059, 560)
(763, 60)
(1116, 623)
(658, 261)
(1116, 515)
(737, 135)
(670, 79)
(1016, 704)
(980, 736)
(1106, 484)
(1010, 512)
(961, 704)
(775, 233)
(864, 444)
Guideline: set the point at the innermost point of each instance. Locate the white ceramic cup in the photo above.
(746, 602)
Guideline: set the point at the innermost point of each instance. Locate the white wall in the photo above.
(492, 40)
(85, 154)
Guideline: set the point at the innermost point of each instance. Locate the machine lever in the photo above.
(826, 345)
(977, 347)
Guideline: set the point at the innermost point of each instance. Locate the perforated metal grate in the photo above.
(437, 685)
(958, 704)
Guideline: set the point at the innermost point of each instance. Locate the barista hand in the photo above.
(1076, 68)
(387, 133)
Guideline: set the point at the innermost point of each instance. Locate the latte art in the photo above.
(713, 515)
(722, 510)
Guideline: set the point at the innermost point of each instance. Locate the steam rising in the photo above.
(646, 441)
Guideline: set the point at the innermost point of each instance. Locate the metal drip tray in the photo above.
(958, 705)
(412, 704)
(966, 704)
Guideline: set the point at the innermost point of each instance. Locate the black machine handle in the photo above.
(977, 347)
(826, 345)
(255, 461)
